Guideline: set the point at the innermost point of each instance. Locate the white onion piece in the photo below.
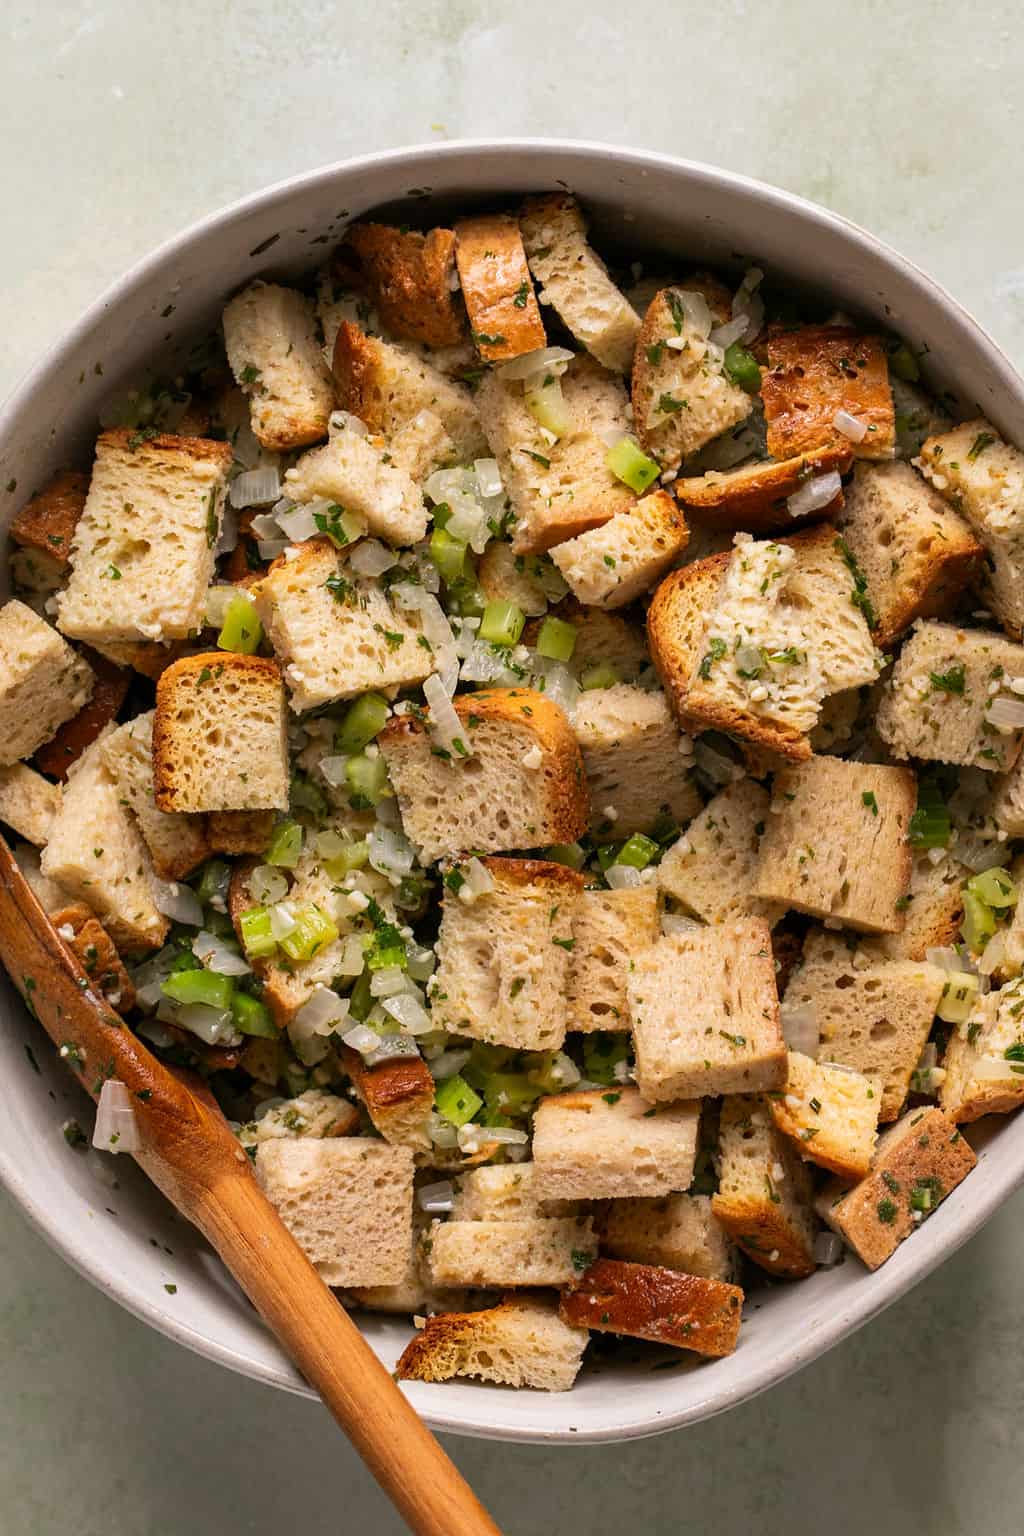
(215, 1026)
(282, 921)
(409, 1012)
(322, 1014)
(486, 663)
(441, 1132)
(350, 961)
(215, 954)
(478, 880)
(390, 1047)
(115, 1129)
(623, 877)
(850, 426)
(372, 558)
(800, 1029)
(299, 524)
(946, 959)
(333, 770)
(388, 981)
(177, 902)
(488, 477)
(391, 852)
(746, 301)
(216, 604)
(998, 1069)
(715, 765)
(993, 955)
(420, 962)
(227, 538)
(271, 549)
(344, 421)
(828, 1249)
(1006, 712)
(156, 1033)
(436, 1199)
(979, 853)
(149, 996)
(817, 493)
(447, 1064)
(543, 360)
(362, 1039)
(264, 525)
(445, 726)
(675, 922)
(473, 1137)
(256, 487)
(699, 318)
(733, 330)
(559, 685)
(267, 885)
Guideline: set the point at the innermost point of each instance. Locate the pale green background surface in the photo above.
(121, 122)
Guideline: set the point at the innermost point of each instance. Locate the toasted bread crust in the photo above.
(72, 738)
(97, 953)
(398, 1095)
(354, 365)
(754, 498)
(239, 831)
(644, 386)
(197, 448)
(255, 671)
(646, 1301)
(407, 275)
(558, 878)
(504, 315)
(148, 657)
(761, 1230)
(47, 522)
(817, 370)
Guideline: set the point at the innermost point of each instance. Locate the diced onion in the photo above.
(850, 426)
(998, 1069)
(299, 524)
(116, 1129)
(817, 493)
(217, 955)
(436, 1199)
(371, 558)
(733, 330)
(1006, 712)
(362, 1039)
(747, 301)
(409, 1012)
(488, 477)
(333, 770)
(256, 487)
(391, 852)
(979, 853)
(216, 605)
(390, 1047)
(447, 1064)
(322, 1014)
(264, 524)
(267, 885)
(543, 360)
(441, 1132)
(351, 959)
(715, 765)
(675, 922)
(800, 1029)
(622, 877)
(491, 664)
(699, 318)
(946, 959)
(421, 962)
(559, 685)
(282, 921)
(472, 1137)
(177, 902)
(828, 1249)
(344, 421)
(477, 878)
(993, 955)
(271, 549)
(215, 1026)
(388, 981)
(227, 538)
(445, 726)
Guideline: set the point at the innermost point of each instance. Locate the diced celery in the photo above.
(570, 854)
(502, 623)
(486, 1060)
(313, 931)
(607, 855)
(306, 796)
(340, 525)
(557, 639)
(214, 877)
(628, 463)
(441, 514)
(638, 851)
(448, 554)
(241, 630)
(603, 675)
(253, 1017)
(285, 845)
(547, 406)
(465, 598)
(930, 826)
(510, 1093)
(367, 781)
(741, 367)
(903, 364)
(361, 999)
(257, 937)
(199, 986)
(979, 924)
(348, 857)
(602, 1052)
(994, 887)
(543, 1072)
(456, 1101)
(387, 948)
(958, 997)
(360, 723)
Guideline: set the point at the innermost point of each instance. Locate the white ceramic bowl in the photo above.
(126, 1240)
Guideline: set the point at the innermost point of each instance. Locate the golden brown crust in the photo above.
(558, 878)
(47, 522)
(148, 657)
(761, 1230)
(645, 1301)
(355, 365)
(186, 674)
(239, 831)
(504, 315)
(71, 740)
(97, 954)
(125, 439)
(407, 277)
(754, 498)
(398, 1095)
(652, 334)
(817, 370)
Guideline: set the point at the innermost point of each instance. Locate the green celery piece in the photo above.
(456, 1100)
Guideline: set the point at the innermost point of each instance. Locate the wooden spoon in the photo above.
(192, 1157)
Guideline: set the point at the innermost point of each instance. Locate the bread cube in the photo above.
(398, 1095)
(177, 843)
(982, 478)
(504, 1192)
(608, 1143)
(575, 280)
(358, 473)
(984, 1059)
(516, 578)
(421, 446)
(705, 1013)
(143, 551)
(608, 929)
(813, 372)
(336, 633)
(347, 1201)
(43, 682)
(521, 1343)
(314, 1113)
(557, 490)
(836, 842)
(148, 657)
(682, 398)
(829, 1113)
(28, 802)
(915, 554)
(764, 1191)
(632, 754)
(1007, 803)
(96, 953)
(415, 1293)
(754, 498)
(612, 565)
(239, 831)
(934, 912)
(274, 352)
(603, 639)
(825, 604)
(408, 278)
(220, 735)
(96, 854)
(535, 1251)
(388, 386)
(944, 699)
(502, 960)
(521, 783)
(50, 896)
(673, 1231)
(109, 691)
(711, 869)
(918, 1162)
(503, 313)
(47, 523)
(643, 1301)
(873, 1014)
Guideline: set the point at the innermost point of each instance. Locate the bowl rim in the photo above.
(898, 1277)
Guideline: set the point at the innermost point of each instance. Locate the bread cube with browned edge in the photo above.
(220, 738)
(557, 490)
(273, 349)
(346, 1200)
(239, 831)
(682, 395)
(813, 373)
(43, 682)
(836, 842)
(415, 1293)
(755, 497)
(504, 1192)
(398, 1095)
(525, 580)
(143, 550)
(504, 316)
(616, 563)
(65, 747)
(359, 473)
(951, 698)
(334, 632)
(96, 953)
(502, 959)
(915, 554)
(603, 639)
(710, 870)
(984, 1060)
(147, 657)
(982, 478)
(388, 386)
(608, 929)
(518, 783)
(47, 523)
(604, 1144)
(96, 853)
(633, 757)
(575, 282)
(705, 1013)
(520, 1343)
(934, 911)
(830, 1114)
(644, 1301)
(533, 1251)
(408, 278)
(673, 1231)
(177, 843)
(764, 1198)
(873, 1014)
(28, 802)
(918, 1162)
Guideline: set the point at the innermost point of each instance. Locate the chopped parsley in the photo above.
(715, 651)
(981, 442)
(668, 405)
(952, 681)
(859, 596)
(868, 799)
(522, 294)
